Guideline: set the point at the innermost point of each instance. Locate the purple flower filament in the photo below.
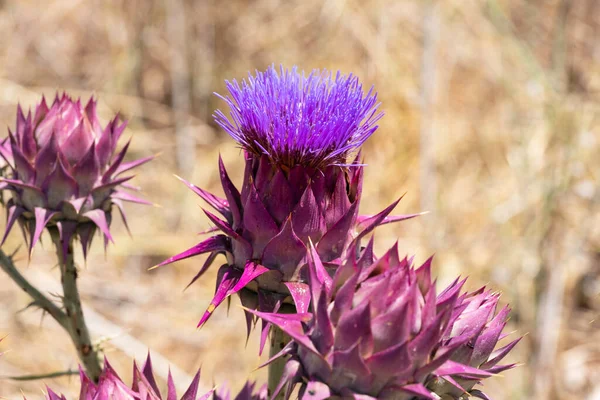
(313, 121)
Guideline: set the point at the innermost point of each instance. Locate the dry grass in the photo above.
(495, 130)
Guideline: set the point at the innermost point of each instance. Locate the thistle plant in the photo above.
(378, 330)
(344, 323)
(300, 184)
(64, 175)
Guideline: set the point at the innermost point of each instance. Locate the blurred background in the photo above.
(491, 124)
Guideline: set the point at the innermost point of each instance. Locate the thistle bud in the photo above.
(378, 329)
(65, 171)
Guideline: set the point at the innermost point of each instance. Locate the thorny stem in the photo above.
(72, 302)
(39, 299)
(71, 320)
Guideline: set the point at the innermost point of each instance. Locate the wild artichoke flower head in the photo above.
(65, 171)
(299, 185)
(296, 120)
(379, 330)
(144, 387)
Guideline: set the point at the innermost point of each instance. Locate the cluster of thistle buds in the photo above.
(296, 250)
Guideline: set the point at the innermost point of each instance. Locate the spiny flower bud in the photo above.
(377, 329)
(111, 387)
(144, 387)
(65, 172)
(297, 133)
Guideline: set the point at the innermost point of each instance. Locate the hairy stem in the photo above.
(278, 341)
(72, 303)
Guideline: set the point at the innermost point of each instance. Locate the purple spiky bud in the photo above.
(379, 329)
(144, 386)
(65, 171)
(299, 185)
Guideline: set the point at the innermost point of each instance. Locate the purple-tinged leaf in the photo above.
(219, 204)
(499, 354)
(479, 394)
(453, 368)
(86, 232)
(149, 374)
(45, 160)
(333, 243)
(218, 243)
(284, 252)
(343, 299)
(128, 166)
(300, 294)
(322, 335)
(394, 361)
(129, 198)
(99, 218)
(258, 223)
(290, 324)
(306, 218)
(280, 198)
(353, 325)
(349, 368)
(209, 260)
(487, 340)
(59, 186)
(317, 273)
(251, 271)
(121, 209)
(227, 279)
(292, 371)
(13, 213)
(231, 194)
(42, 217)
(171, 391)
(339, 203)
(417, 389)
(225, 227)
(86, 171)
(111, 171)
(77, 143)
(23, 167)
(192, 391)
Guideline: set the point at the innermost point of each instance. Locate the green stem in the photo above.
(278, 341)
(78, 329)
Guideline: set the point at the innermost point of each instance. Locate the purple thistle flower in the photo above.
(314, 121)
(65, 172)
(144, 387)
(377, 329)
(299, 187)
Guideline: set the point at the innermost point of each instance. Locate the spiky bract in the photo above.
(378, 330)
(144, 387)
(65, 171)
